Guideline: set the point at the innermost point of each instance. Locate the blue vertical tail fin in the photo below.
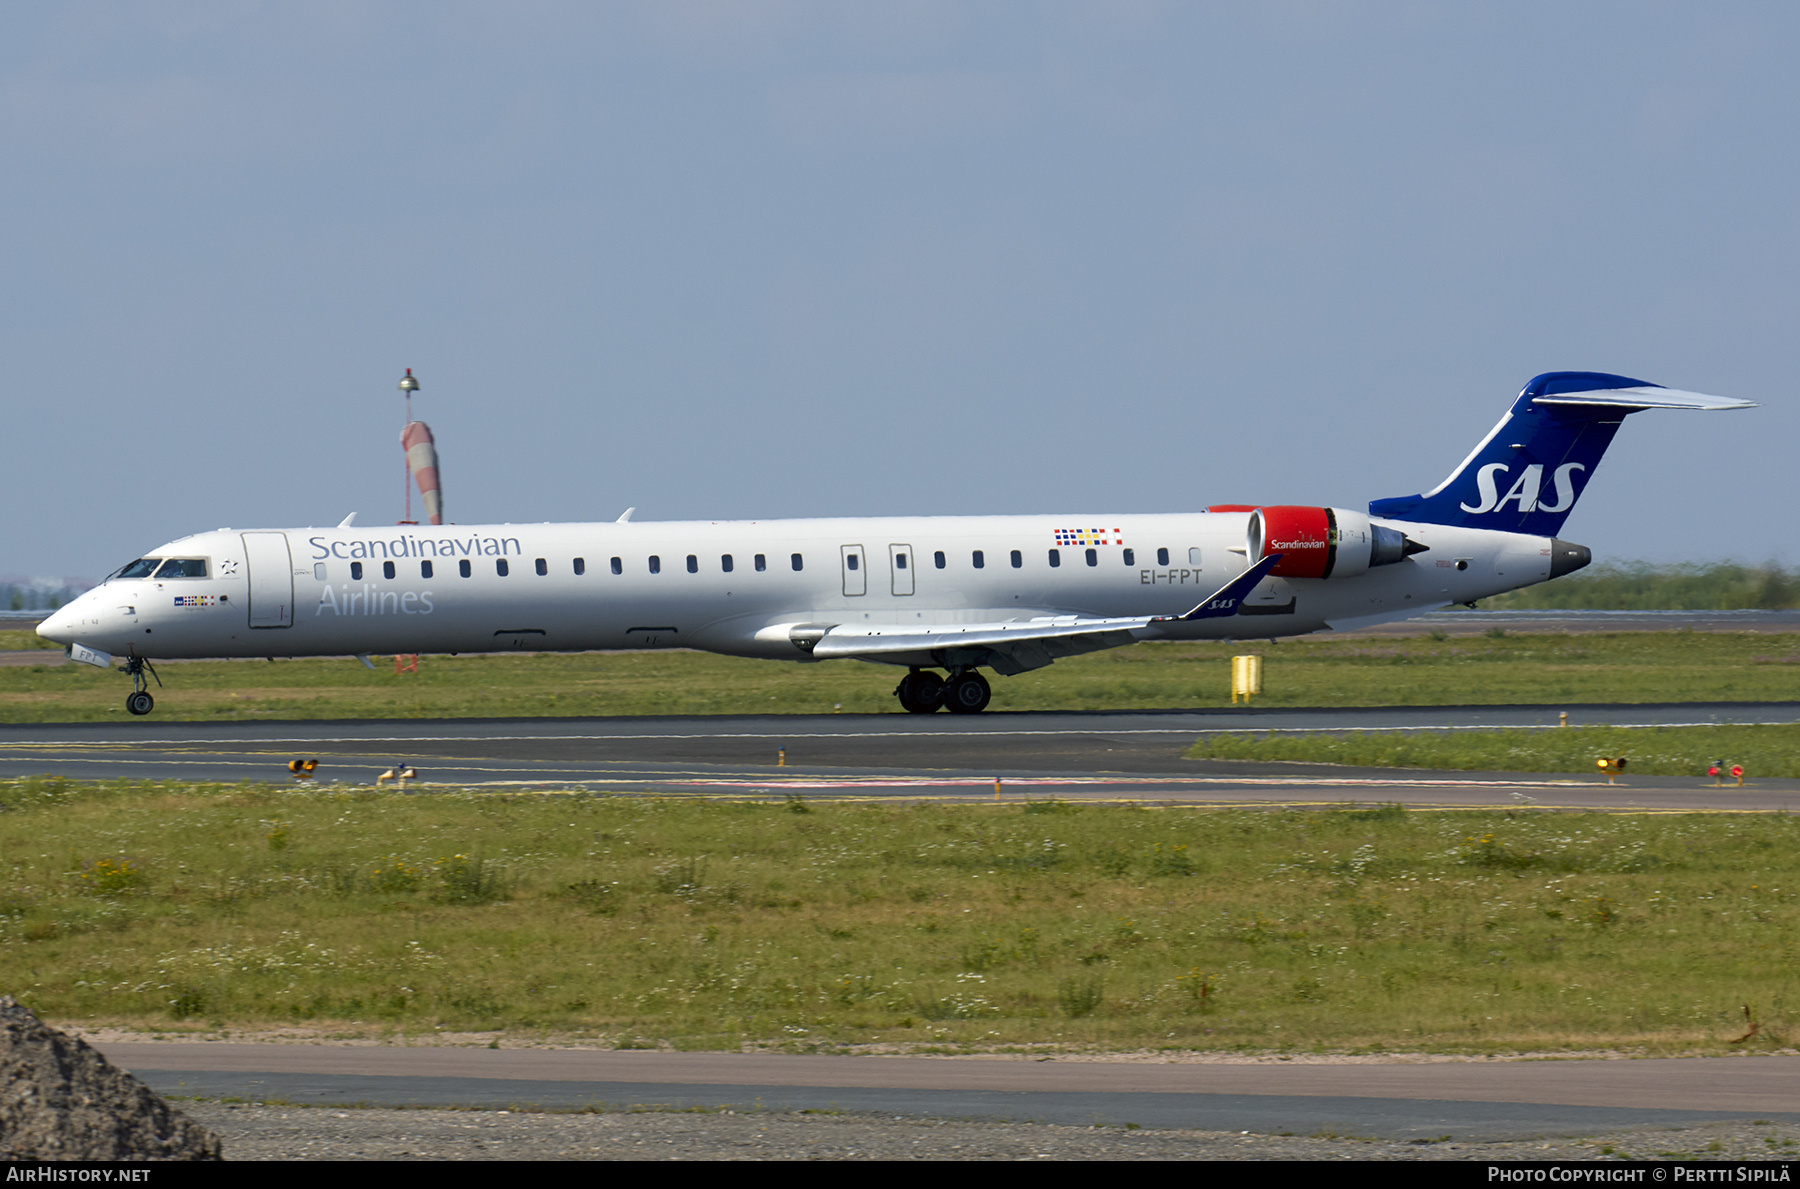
(1526, 475)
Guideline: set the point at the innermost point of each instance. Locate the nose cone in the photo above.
(60, 626)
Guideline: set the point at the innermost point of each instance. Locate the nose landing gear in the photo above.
(139, 701)
(922, 692)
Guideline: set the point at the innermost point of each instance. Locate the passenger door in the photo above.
(271, 569)
(856, 576)
(900, 565)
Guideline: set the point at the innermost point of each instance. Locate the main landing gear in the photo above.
(139, 701)
(922, 692)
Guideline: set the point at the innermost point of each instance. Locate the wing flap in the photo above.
(849, 640)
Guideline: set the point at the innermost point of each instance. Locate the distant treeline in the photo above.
(1640, 586)
(26, 597)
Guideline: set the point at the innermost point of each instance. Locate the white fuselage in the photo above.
(573, 587)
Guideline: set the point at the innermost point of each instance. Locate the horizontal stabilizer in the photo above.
(1648, 396)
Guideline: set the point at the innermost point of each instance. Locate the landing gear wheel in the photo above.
(138, 701)
(967, 693)
(920, 692)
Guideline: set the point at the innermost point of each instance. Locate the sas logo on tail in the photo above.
(1526, 489)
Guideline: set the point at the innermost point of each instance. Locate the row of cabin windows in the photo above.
(542, 566)
(978, 558)
(1092, 556)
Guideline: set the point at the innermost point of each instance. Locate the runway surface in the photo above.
(1464, 1100)
(1131, 755)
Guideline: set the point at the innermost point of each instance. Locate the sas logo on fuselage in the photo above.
(1526, 489)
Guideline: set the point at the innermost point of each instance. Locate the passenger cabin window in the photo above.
(387, 569)
(1162, 557)
(318, 571)
(580, 566)
(1055, 558)
(693, 564)
(725, 562)
(655, 564)
(462, 567)
(183, 567)
(1131, 557)
(356, 571)
(850, 560)
(979, 558)
(424, 569)
(799, 564)
(1093, 557)
(618, 566)
(899, 561)
(500, 567)
(762, 563)
(143, 567)
(938, 559)
(1018, 559)
(543, 568)
(1194, 557)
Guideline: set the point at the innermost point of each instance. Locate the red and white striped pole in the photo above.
(408, 385)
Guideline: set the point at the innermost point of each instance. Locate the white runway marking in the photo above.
(1188, 731)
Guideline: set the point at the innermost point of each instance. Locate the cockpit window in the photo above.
(143, 567)
(183, 567)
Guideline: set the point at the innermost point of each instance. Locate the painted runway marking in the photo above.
(687, 780)
(1034, 781)
(1249, 729)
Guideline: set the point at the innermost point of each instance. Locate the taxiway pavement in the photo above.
(1132, 755)
(1464, 1100)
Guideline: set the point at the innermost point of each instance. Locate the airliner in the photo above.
(943, 597)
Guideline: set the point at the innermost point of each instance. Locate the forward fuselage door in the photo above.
(900, 564)
(856, 573)
(271, 579)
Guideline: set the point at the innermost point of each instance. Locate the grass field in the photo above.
(709, 924)
(1621, 667)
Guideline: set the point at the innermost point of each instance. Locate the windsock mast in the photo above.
(420, 449)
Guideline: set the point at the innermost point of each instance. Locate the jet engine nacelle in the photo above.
(1324, 542)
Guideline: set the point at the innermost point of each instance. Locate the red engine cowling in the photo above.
(1321, 542)
(1306, 538)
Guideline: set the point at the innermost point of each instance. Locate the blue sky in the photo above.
(781, 259)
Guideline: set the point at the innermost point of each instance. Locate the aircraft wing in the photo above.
(1027, 639)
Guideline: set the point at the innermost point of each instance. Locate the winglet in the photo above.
(1226, 601)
